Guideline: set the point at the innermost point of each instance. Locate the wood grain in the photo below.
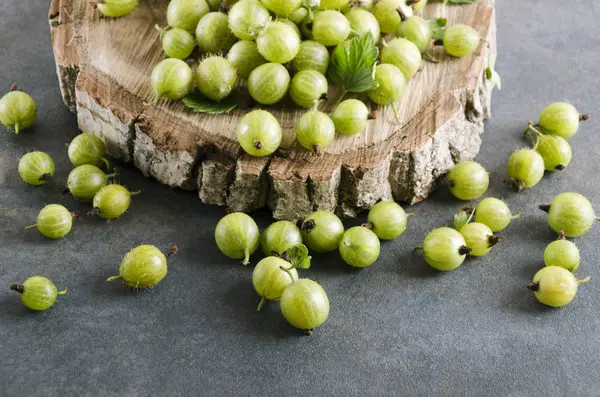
(104, 66)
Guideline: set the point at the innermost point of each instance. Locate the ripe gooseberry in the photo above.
(555, 286)
(298, 16)
(215, 77)
(386, 13)
(86, 180)
(563, 253)
(387, 220)
(244, 57)
(115, 8)
(111, 201)
(237, 236)
(38, 293)
(312, 55)
(364, 4)
(389, 85)
(279, 237)
(330, 28)
(143, 267)
(525, 169)
(54, 221)
(305, 305)
(18, 110)
(87, 148)
(461, 40)
(494, 213)
(172, 79)
(554, 149)
(351, 116)
(270, 279)
(468, 180)
(561, 119)
(403, 54)
(259, 133)
(282, 7)
(290, 24)
(315, 131)
(445, 249)
(417, 5)
(36, 168)
(570, 213)
(268, 83)
(417, 30)
(213, 33)
(359, 247)
(322, 231)
(308, 87)
(333, 4)
(278, 42)
(176, 43)
(479, 238)
(185, 14)
(362, 21)
(247, 18)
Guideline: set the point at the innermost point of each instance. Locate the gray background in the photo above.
(397, 328)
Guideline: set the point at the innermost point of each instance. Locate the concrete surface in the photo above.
(395, 329)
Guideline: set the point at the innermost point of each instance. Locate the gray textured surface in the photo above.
(397, 328)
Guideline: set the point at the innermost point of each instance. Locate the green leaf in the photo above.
(352, 64)
(298, 256)
(493, 78)
(199, 103)
(437, 26)
(462, 218)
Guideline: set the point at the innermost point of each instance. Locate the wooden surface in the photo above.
(104, 66)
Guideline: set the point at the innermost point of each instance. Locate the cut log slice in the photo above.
(104, 67)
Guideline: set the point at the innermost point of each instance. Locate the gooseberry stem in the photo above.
(287, 270)
(16, 128)
(395, 112)
(417, 248)
(261, 304)
(111, 175)
(13, 87)
(160, 30)
(113, 278)
(464, 250)
(493, 240)
(401, 13)
(534, 286)
(94, 211)
(518, 186)
(561, 235)
(368, 225)
(135, 193)
(246, 257)
(17, 287)
(46, 177)
(339, 100)
(584, 117)
(30, 226)
(308, 332)
(585, 280)
(172, 251)
(106, 163)
(544, 207)
(64, 291)
(517, 216)
(317, 150)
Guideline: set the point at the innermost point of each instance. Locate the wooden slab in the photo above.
(104, 67)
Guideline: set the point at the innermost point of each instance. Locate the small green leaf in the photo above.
(298, 256)
(199, 103)
(352, 64)
(437, 26)
(461, 219)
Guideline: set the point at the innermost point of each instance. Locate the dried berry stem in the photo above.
(94, 211)
(493, 240)
(560, 167)
(172, 251)
(518, 186)
(368, 225)
(17, 287)
(544, 207)
(75, 214)
(308, 332)
(534, 286)
(372, 116)
(464, 250)
(561, 235)
(46, 178)
(308, 226)
(317, 150)
(584, 117)
(401, 13)
(261, 304)
(257, 144)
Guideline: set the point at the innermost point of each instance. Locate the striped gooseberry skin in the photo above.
(493, 213)
(570, 213)
(87, 148)
(555, 286)
(387, 220)
(142, 267)
(308, 87)
(116, 8)
(268, 83)
(315, 131)
(330, 28)
(304, 304)
(359, 247)
(445, 249)
(247, 18)
(237, 236)
(560, 119)
(468, 180)
(38, 293)
(417, 30)
(185, 14)
(215, 77)
(479, 238)
(111, 201)
(525, 168)
(362, 21)
(322, 231)
(389, 84)
(18, 110)
(278, 42)
(387, 15)
(279, 237)
(312, 55)
(172, 79)
(298, 16)
(282, 7)
(213, 33)
(36, 168)
(461, 40)
(350, 117)
(177, 43)
(244, 57)
(269, 280)
(54, 221)
(85, 181)
(259, 133)
(403, 54)
(563, 253)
